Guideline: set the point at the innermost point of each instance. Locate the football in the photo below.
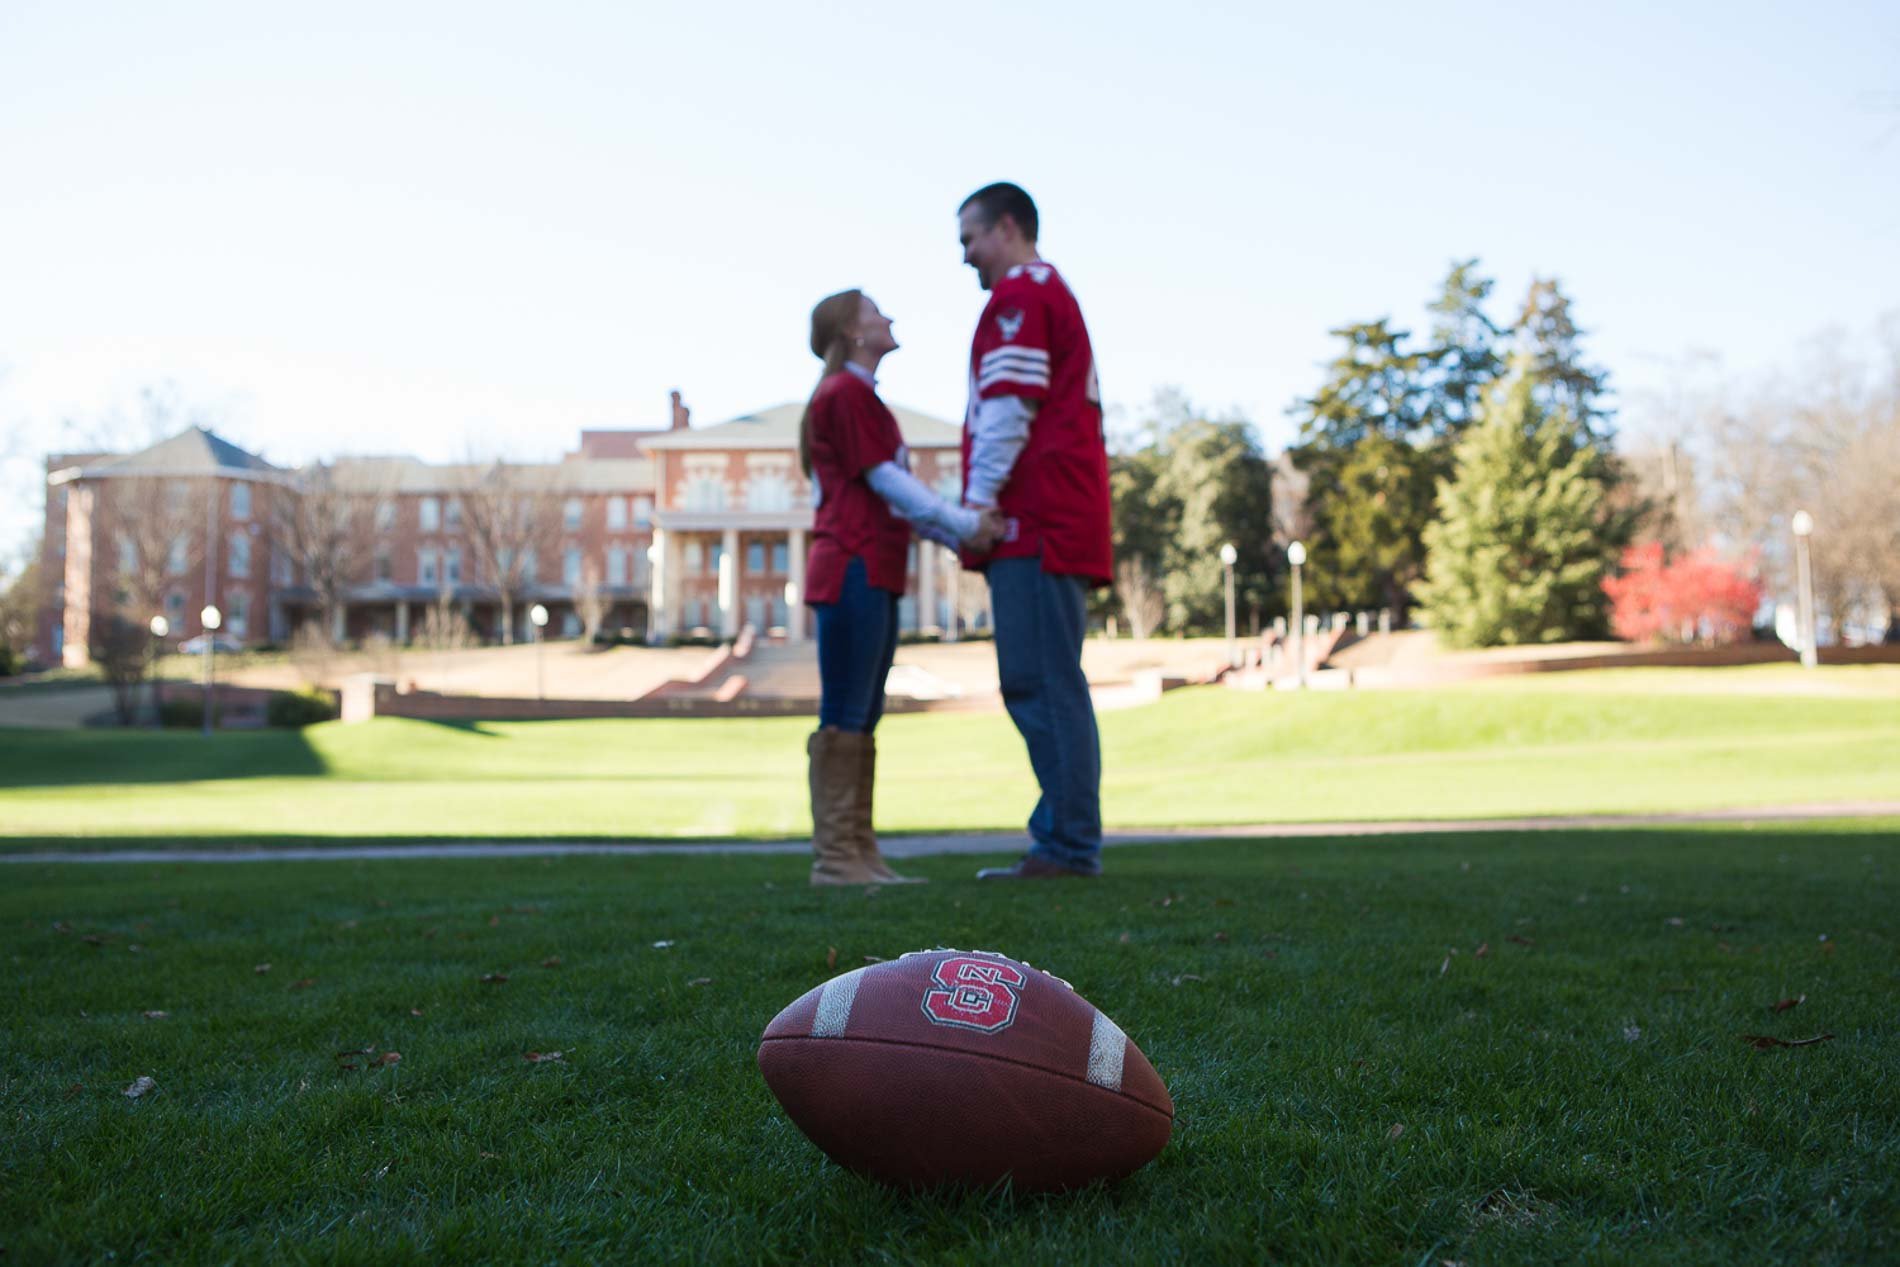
(965, 1067)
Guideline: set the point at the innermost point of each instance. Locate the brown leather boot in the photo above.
(866, 837)
(833, 779)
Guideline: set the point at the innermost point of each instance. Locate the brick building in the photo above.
(671, 532)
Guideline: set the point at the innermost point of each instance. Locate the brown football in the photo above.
(965, 1067)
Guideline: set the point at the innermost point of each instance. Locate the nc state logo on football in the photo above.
(965, 1067)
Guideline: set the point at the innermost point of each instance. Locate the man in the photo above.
(1033, 448)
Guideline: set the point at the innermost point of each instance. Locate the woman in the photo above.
(866, 503)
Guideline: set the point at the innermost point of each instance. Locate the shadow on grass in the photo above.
(66, 758)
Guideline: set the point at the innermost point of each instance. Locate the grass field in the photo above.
(1356, 1079)
(1632, 743)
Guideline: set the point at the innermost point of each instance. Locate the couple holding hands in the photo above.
(1033, 518)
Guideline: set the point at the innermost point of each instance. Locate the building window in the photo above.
(571, 567)
(177, 493)
(240, 500)
(704, 491)
(769, 491)
(616, 565)
(642, 566)
(616, 514)
(571, 514)
(238, 619)
(176, 561)
(693, 558)
(755, 611)
(429, 514)
(715, 555)
(452, 513)
(570, 625)
(128, 555)
(240, 554)
(781, 558)
(425, 567)
(754, 557)
(385, 515)
(175, 609)
(383, 570)
(643, 512)
(279, 568)
(779, 613)
(530, 567)
(452, 566)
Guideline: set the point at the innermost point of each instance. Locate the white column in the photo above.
(340, 624)
(952, 582)
(402, 623)
(926, 584)
(659, 575)
(729, 584)
(795, 607)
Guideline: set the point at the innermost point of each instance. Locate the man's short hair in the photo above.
(1004, 199)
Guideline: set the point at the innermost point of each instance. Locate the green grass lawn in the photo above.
(1199, 757)
(1355, 1080)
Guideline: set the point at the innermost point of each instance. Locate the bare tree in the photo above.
(20, 600)
(123, 650)
(590, 601)
(443, 626)
(513, 514)
(324, 527)
(154, 529)
(1141, 597)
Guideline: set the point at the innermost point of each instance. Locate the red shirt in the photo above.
(851, 432)
(1031, 342)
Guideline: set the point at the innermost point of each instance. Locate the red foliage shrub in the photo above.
(1698, 597)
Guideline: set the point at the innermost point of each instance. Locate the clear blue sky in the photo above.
(432, 227)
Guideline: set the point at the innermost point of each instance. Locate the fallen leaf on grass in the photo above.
(1445, 967)
(1674, 921)
(415, 1011)
(538, 1058)
(1186, 976)
(1484, 948)
(1123, 939)
(94, 939)
(1631, 1033)
(700, 981)
(490, 1156)
(494, 978)
(1520, 939)
(1784, 1004)
(136, 949)
(1762, 1042)
(552, 961)
(303, 983)
(61, 926)
(831, 957)
(1398, 1129)
(1222, 937)
(156, 1015)
(261, 969)
(662, 945)
(75, 1089)
(144, 1086)
(494, 921)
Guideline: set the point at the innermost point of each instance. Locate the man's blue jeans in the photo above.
(857, 639)
(1040, 622)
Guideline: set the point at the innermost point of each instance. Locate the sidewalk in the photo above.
(971, 842)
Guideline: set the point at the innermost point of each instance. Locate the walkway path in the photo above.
(970, 842)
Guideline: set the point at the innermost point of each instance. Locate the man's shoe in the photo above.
(1030, 867)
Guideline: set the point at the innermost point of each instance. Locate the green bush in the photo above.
(187, 712)
(9, 663)
(294, 709)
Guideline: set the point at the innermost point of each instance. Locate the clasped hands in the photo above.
(990, 529)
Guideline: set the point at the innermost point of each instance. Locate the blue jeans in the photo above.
(1040, 621)
(857, 639)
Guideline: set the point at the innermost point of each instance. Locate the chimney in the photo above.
(682, 416)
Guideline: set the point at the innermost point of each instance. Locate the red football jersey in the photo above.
(1031, 342)
(851, 432)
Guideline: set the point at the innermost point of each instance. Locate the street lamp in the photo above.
(159, 627)
(1227, 556)
(1803, 525)
(211, 618)
(538, 617)
(1296, 555)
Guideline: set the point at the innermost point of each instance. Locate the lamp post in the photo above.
(1296, 555)
(1227, 556)
(1803, 525)
(211, 617)
(538, 617)
(159, 627)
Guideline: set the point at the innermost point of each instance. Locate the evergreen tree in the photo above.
(1464, 355)
(1519, 551)
(1548, 337)
(1220, 484)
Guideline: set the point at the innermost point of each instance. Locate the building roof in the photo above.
(777, 428)
(192, 452)
(390, 476)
